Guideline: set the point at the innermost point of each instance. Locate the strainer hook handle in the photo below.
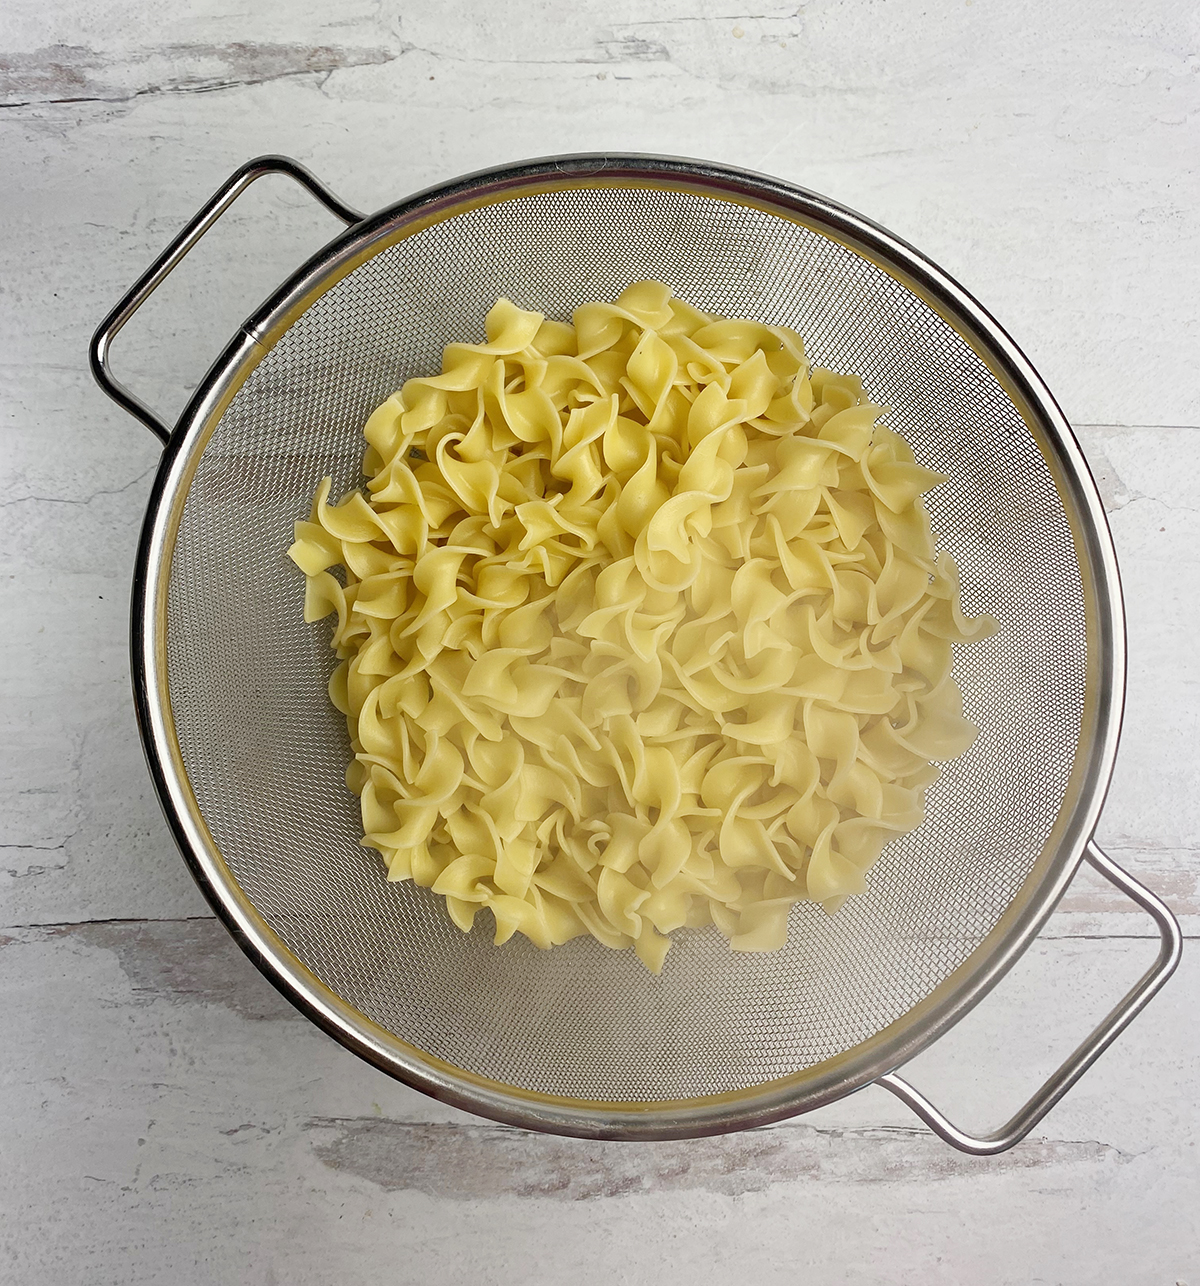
(1139, 995)
(153, 277)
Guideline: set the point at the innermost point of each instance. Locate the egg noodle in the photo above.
(642, 626)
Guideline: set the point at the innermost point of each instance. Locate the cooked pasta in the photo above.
(641, 626)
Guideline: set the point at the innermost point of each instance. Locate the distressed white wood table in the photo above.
(165, 1117)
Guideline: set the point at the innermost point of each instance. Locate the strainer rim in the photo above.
(768, 1101)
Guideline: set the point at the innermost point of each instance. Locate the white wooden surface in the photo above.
(165, 1117)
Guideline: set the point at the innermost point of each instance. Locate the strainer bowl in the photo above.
(248, 755)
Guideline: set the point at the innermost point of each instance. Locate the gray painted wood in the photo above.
(166, 1118)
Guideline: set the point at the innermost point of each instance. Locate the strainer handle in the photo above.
(1062, 1080)
(152, 278)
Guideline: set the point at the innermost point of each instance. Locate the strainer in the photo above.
(248, 755)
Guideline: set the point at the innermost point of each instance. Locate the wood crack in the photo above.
(75, 74)
(467, 1162)
(83, 500)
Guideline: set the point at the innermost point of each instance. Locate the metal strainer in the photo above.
(248, 754)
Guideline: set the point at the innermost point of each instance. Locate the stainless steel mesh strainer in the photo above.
(248, 756)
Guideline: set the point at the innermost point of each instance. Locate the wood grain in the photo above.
(167, 1116)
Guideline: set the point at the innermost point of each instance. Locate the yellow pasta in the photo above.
(640, 626)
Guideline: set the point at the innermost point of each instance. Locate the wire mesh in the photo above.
(265, 752)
